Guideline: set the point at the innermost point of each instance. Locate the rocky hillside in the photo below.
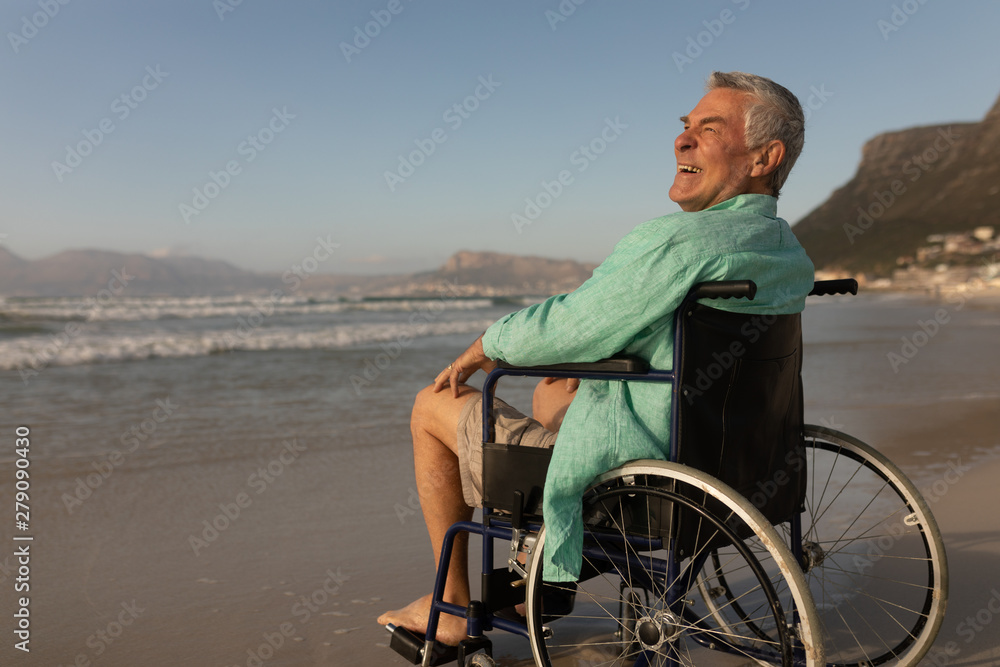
(493, 274)
(910, 184)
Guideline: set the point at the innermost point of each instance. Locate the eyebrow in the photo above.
(706, 120)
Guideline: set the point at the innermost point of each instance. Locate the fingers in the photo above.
(453, 376)
(455, 379)
(463, 368)
(572, 384)
(441, 381)
(444, 378)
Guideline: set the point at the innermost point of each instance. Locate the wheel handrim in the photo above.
(666, 626)
(874, 610)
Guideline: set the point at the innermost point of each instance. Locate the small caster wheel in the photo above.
(480, 660)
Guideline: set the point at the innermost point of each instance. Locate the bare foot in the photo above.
(414, 616)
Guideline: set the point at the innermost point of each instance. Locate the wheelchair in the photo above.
(762, 540)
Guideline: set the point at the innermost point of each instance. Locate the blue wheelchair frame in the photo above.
(496, 526)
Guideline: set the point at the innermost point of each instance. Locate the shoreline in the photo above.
(975, 289)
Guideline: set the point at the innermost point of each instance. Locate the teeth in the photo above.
(688, 168)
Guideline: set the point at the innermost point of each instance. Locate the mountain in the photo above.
(88, 272)
(497, 274)
(11, 266)
(910, 184)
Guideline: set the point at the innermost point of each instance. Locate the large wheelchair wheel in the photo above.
(873, 555)
(636, 603)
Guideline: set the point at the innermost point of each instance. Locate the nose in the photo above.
(684, 141)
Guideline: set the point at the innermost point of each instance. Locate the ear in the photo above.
(767, 158)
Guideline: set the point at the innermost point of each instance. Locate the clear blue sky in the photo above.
(202, 80)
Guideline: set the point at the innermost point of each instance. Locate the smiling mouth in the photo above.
(687, 169)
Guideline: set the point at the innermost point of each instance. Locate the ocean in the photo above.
(234, 467)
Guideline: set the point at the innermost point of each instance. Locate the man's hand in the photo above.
(572, 384)
(464, 367)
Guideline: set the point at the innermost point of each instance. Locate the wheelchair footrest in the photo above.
(410, 646)
(557, 601)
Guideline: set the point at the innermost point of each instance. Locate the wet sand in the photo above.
(966, 513)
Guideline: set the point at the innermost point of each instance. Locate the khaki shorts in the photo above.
(511, 428)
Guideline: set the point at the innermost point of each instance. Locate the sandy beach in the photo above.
(285, 550)
(971, 529)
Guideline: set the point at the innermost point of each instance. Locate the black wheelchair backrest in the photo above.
(739, 393)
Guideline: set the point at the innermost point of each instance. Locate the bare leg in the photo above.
(434, 426)
(550, 402)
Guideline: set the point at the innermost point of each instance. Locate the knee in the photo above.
(438, 413)
(540, 399)
(422, 405)
(549, 403)
(429, 408)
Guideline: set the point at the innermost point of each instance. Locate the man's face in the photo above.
(713, 163)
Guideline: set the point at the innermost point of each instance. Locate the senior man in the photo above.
(733, 156)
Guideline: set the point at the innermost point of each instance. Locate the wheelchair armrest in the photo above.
(842, 286)
(618, 365)
(724, 289)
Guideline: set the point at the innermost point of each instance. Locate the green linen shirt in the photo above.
(628, 305)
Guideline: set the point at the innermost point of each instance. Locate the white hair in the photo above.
(774, 114)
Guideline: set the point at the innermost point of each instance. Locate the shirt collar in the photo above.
(765, 205)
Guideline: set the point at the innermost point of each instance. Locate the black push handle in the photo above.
(827, 287)
(724, 289)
